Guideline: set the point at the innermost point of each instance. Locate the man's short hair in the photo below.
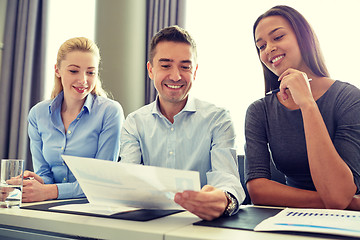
(171, 34)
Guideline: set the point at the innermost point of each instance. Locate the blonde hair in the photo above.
(77, 44)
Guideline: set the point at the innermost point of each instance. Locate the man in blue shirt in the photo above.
(177, 131)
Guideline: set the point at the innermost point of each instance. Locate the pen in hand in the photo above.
(278, 89)
(29, 178)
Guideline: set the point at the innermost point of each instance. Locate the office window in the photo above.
(230, 74)
(66, 19)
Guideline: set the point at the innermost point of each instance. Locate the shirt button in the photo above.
(64, 165)
(171, 153)
(62, 148)
(77, 118)
(64, 179)
(172, 129)
(69, 132)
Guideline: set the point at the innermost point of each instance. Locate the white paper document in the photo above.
(116, 184)
(327, 221)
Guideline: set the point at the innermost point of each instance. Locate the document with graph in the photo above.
(327, 221)
(116, 185)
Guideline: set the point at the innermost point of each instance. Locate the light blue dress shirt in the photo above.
(202, 139)
(95, 133)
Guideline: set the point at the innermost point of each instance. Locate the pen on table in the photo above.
(278, 90)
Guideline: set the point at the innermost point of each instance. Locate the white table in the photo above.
(192, 232)
(174, 227)
(94, 227)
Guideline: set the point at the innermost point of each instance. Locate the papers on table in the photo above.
(94, 209)
(327, 221)
(114, 184)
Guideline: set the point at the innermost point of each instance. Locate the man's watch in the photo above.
(232, 204)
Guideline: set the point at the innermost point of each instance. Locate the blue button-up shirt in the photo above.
(95, 133)
(201, 139)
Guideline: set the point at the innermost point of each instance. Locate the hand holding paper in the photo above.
(116, 184)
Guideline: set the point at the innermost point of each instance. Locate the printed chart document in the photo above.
(327, 221)
(115, 187)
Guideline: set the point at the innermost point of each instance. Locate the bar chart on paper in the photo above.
(326, 221)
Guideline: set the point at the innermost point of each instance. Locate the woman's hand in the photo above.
(297, 84)
(355, 203)
(35, 190)
(31, 175)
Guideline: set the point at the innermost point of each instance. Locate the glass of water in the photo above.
(11, 184)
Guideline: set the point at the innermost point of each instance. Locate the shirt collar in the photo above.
(57, 101)
(89, 102)
(189, 106)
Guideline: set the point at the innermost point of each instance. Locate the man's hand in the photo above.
(208, 204)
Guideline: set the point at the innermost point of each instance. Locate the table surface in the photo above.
(174, 227)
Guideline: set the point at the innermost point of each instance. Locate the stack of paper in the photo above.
(113, 187)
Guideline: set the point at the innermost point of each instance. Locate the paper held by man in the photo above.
(113, 187)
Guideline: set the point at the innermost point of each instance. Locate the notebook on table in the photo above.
(136, 215)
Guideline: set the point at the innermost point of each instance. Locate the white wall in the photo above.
(118, 28)
(227, 56)
(66, 19)
(230, 73)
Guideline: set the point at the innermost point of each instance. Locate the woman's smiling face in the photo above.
(278, 45)
(78, 73)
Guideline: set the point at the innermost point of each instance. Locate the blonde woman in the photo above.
(79, 120)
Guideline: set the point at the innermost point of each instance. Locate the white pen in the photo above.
(278, 89)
